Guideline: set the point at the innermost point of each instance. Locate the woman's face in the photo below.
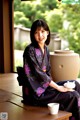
(41, 35)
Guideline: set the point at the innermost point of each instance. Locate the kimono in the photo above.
(37, 68)
(36, 89)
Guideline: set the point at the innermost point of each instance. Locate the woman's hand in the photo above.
(64, 89)
(60, 88)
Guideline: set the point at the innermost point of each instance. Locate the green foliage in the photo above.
(27, 9)
(24, 44)
(19, 18)
(79, 75)
(25, 22)
(20, 46)
(17, 45)
(17, 5)
(39, 15)
(31, 10)
(18, 62)
(72, 32)
(49, 5)
(55, 15)
(18, 58)
(54, 20)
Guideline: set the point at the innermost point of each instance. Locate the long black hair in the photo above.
(35, 25)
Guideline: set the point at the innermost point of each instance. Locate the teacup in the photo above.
(69, 84)
(53, 108)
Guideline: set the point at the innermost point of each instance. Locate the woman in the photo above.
(39, 87)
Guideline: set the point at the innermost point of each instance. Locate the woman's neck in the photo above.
(42, 47)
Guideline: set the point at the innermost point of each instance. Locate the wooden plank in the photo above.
(31, 113)
(4, 95)
(39, 111)
(9, 83)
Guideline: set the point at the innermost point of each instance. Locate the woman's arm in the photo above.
(58, 87)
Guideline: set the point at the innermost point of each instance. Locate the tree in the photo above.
(72, 32)
(54, 20)
(20, 19)
(27, 9)
(17, 16)
(33, 9)
(17, 5)
(49, 5)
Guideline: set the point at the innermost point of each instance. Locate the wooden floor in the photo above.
(11, 105)
(9, 83)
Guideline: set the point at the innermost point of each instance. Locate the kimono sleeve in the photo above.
(37, 78)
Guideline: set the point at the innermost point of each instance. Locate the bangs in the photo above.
(39, 24)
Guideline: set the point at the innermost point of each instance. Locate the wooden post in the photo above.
(6, 36)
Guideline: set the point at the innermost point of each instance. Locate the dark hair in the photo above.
(35, 25)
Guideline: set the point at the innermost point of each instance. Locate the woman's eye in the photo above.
(36, 32)
(43, 31)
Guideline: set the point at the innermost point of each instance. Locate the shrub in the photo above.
(20, 45)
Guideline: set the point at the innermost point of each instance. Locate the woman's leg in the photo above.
(77, 87)
(75, 102)
(69, 101)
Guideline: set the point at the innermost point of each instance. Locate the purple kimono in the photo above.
(37, 68)
(36, 90)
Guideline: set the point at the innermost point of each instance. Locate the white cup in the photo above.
(53, 108)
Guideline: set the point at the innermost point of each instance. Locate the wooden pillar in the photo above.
(6, 36)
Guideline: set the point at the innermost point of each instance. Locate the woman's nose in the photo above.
(40, 34)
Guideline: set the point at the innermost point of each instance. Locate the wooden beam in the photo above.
(6, 36)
